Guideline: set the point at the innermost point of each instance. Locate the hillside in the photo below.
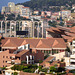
(40, 4)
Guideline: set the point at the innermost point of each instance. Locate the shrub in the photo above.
(40, 67)
(23, 62)
(52, 69)
(34, 66)
(15, 73)
(40, 61)
(27, 70)
(3, 68)
(44, 70)
(25, 67)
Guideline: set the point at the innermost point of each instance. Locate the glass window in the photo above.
(44, 51)
(6, 56)
(3, 61)
(3, 56)
(49, 51)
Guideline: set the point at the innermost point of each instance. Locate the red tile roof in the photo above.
(47, 60)
(21, 53)
(34, 43)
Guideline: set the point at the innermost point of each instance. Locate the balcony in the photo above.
(9, 62)
(73, 45)
(73, 49)
(72, 65)
(72, 60)
(72, 56)
(73, 41)
(13, 60)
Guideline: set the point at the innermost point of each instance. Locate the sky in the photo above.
(5, 2)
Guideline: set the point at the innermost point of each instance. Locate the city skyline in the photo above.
(5, 2)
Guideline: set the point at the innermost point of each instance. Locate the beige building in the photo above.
(12, 7)
(25, 12)
(5, 10)
(19, 8)
(6, 58)
(65, 14)
(36, 12)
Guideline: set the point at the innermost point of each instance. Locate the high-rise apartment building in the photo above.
(12, 6)
(25, 12)
(5, 10)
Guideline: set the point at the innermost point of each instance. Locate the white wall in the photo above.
(59, 55)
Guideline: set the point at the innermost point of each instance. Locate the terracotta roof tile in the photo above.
(21, 53)
(25, 73)
(34, 43)
(47, 60)
(10, 43)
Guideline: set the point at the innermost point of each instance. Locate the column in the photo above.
(15, 28)
(30, 59)
(33, 29)
(38, 31)
(1, 26)
(6, 28)
(51, 52)
(28, 31)
(19, 25)
(42, 29)
(10, 28)
(33, 59)
(27, 59)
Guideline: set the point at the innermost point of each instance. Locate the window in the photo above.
(6, 56)
(71, 43)
(37, 52)
(44, 51)
(49, 51)
(3, 65)
(3, 61)
(3, 56)
(10, 57)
